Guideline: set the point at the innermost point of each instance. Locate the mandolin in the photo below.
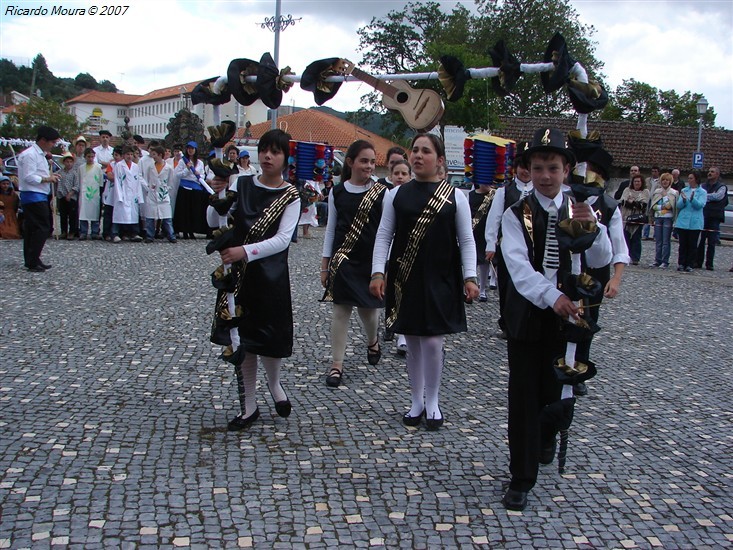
(421, 108)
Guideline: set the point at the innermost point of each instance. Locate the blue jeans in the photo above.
(84, 227)
(166, 224)
(663, 239)
(645, 230)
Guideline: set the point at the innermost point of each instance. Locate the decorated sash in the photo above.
(352, 237)
(483, 208)
(407, 260)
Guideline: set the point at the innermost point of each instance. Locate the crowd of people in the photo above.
(690, 211)
(410, 244)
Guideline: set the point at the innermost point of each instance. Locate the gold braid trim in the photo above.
(352, 236)
(528, 221)
(269, 216)
(407, 260)
(483, 208)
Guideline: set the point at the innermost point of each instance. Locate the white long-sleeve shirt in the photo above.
(533, 285)
(32, 169)
(615, 228)
(464, 231)
(328, 237)
(493, 220)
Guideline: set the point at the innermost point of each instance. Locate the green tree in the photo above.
(106, 86)
(86, 81)
(640, 102)
(39, 111)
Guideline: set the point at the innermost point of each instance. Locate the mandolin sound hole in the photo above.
(402, 97)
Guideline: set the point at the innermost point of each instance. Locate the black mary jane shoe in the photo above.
(515, 500)
(408, 420)
(283, 408)
(433, 424)
(373, 356)
(333, 380)
(238, 423)
(44, 266)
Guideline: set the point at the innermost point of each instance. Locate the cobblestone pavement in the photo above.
(113, 412)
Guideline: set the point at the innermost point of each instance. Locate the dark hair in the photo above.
(47, 133)
(89, 150)
(655, 167)
(195, 157)
(435, 140)
(128, 149)
(398, 163)
(634, 178)
(396, 151)
(157, 149)
(276, 141)
(138, 139)
(178, 147)
(232, 148)
(697, 175)
(352, 153)
(117, 149)
(153, 143)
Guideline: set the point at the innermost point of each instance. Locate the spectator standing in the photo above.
(35, 180)
(67, 198)
(690, 221)
(103, 151)
(158, 202)
(9, 228)
(128, 196)
(714, 214)
(652, 183)
(663, 209)
(633, 171)
(91, 182)
(634, 203)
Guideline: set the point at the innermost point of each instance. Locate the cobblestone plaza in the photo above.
(113, 413)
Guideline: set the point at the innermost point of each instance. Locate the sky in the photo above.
(669, 44)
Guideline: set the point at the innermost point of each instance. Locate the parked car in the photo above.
(726, 228)
(458, 180)
(11, 168)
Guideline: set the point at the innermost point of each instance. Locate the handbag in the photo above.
(636, 219)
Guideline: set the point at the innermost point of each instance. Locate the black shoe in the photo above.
(283, 408)
(333, 379)
(709, 267)
(502, 334)
(547, 452)
(433, 424)
(148, 240)
(408, 420)
(238, 423)
(36, 269)
(388, 334)
(44, 266)
(580, 389)
(515, 500)
(373, 356)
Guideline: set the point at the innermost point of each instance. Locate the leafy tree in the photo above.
(106, 86)
(86, 81)
(39, 111)
(413, 39)
(186, 126)
(640, 102)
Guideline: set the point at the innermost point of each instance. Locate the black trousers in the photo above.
(688, 239)
(36, 229)
(69, 216)
(502, 281)
(532, 386)
(710, 233)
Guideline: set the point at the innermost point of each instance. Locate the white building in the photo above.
(149, 114)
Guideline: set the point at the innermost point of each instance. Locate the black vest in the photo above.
(524, 319)
(715, 210)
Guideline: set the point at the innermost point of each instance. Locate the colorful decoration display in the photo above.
(310, 161)
(489, 160)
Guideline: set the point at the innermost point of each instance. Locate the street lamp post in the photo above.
(702, 108)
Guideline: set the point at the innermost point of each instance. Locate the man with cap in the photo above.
(536, 266)
(34, 182)
(103, 151)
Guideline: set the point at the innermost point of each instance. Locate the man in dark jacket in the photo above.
(714, 213)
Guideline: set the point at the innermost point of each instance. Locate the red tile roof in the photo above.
(314, 125)
(638, 144)
(164, 93)
(105, 98)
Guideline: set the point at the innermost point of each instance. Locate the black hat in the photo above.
(47, 133)
(577, 287)
(223, 133)
(509, 71)
(557, 53)
(453, 76)
(587, 98)
(601, 159)
(105, 133)
(550, 140)
(271, 83)
(575, 235)
(244, 92)
(577, 332)
(204, 93)
(314, 79)
(579, 372)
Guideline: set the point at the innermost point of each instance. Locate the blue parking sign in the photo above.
(697, 160)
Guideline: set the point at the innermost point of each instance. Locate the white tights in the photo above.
(340, 327)
(483, 277)
(247, 381)
(425, 367)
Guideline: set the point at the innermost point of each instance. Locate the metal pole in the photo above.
(699, 134)
(277, 54)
